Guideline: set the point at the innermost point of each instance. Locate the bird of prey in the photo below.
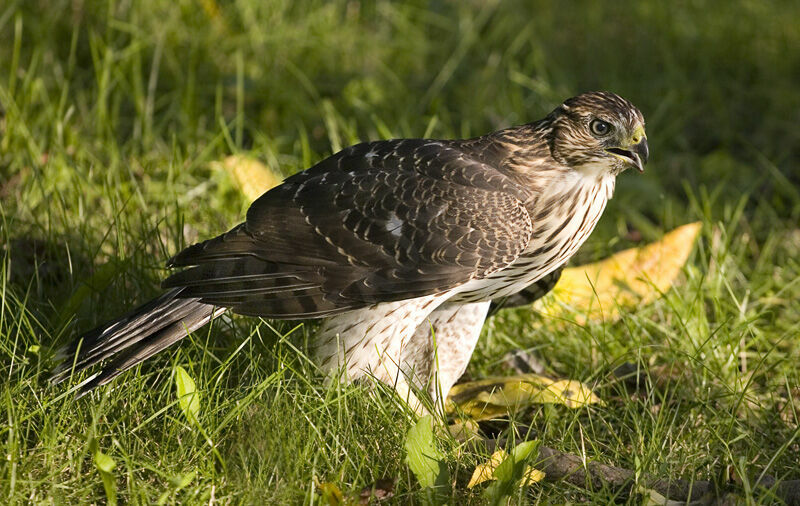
(398, 245)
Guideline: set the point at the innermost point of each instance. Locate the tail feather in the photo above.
(133, 338)
(132, 321)
(137, 331)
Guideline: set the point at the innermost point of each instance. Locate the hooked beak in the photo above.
(636, 155)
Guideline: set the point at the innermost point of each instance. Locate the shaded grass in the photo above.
(112, 111)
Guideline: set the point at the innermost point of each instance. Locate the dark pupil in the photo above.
(600, 127)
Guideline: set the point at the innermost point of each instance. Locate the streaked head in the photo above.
(599, 131)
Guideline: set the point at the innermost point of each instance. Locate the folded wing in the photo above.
(378, 222)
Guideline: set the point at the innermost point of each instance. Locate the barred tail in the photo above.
(133, 338)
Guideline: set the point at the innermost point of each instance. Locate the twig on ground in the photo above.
(559, 466)
(523, 362)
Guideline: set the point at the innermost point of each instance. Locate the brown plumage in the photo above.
(384, 237)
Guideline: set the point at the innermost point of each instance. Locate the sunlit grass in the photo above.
(111, 114)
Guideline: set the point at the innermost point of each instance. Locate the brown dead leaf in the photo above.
(463, 430)
(381, 490)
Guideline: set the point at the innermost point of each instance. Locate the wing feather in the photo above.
(378, 222)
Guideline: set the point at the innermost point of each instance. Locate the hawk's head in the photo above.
(599, 132)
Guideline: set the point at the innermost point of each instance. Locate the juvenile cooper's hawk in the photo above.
(386, 240)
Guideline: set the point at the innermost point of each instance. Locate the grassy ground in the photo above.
(111, 112)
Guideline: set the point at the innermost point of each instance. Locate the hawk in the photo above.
(398, 245)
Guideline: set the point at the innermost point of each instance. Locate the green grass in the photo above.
(110, 113)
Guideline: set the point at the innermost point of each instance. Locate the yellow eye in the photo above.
(600, 128)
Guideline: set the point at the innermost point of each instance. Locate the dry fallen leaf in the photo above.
(636, 276)
(484, 472)
(492, 397)
(463, 429)
(381, 490)
(252, 177)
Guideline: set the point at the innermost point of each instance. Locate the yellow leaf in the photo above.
(492, 397)
(531, 476)
(331, 494)
(252, 177)
(485, 472)
(636, 276)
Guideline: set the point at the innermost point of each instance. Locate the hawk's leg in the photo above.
(446, 340)
(375, 342)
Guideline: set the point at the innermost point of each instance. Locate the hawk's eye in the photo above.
(600, 127)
